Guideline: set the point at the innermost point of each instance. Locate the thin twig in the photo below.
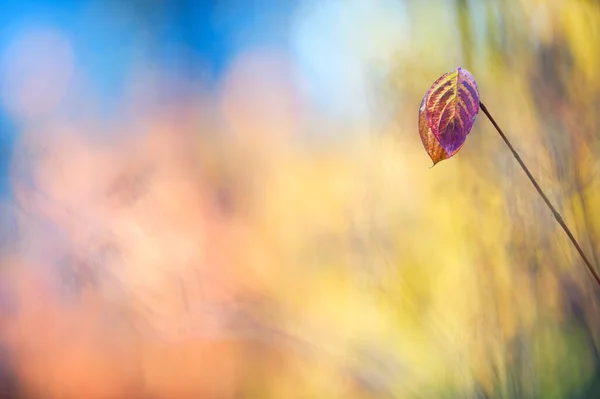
(557, 215)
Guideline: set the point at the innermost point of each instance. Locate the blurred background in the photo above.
(230, 199)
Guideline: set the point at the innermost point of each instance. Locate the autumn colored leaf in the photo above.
(447, 114)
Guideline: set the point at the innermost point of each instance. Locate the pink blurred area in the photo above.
(134, 249)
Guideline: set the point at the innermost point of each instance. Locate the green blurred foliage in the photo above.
(536, 64)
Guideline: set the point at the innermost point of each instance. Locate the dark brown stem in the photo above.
(557, 215)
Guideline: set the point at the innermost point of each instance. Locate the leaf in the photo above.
(447, 114)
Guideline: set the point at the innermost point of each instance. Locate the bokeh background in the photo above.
(230, 199)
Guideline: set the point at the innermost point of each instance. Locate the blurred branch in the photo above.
(466, 31)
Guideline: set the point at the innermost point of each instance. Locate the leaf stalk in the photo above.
(557, 215)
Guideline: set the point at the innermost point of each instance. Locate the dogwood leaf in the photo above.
(447, 114)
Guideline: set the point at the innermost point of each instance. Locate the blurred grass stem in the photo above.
(557, 215)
